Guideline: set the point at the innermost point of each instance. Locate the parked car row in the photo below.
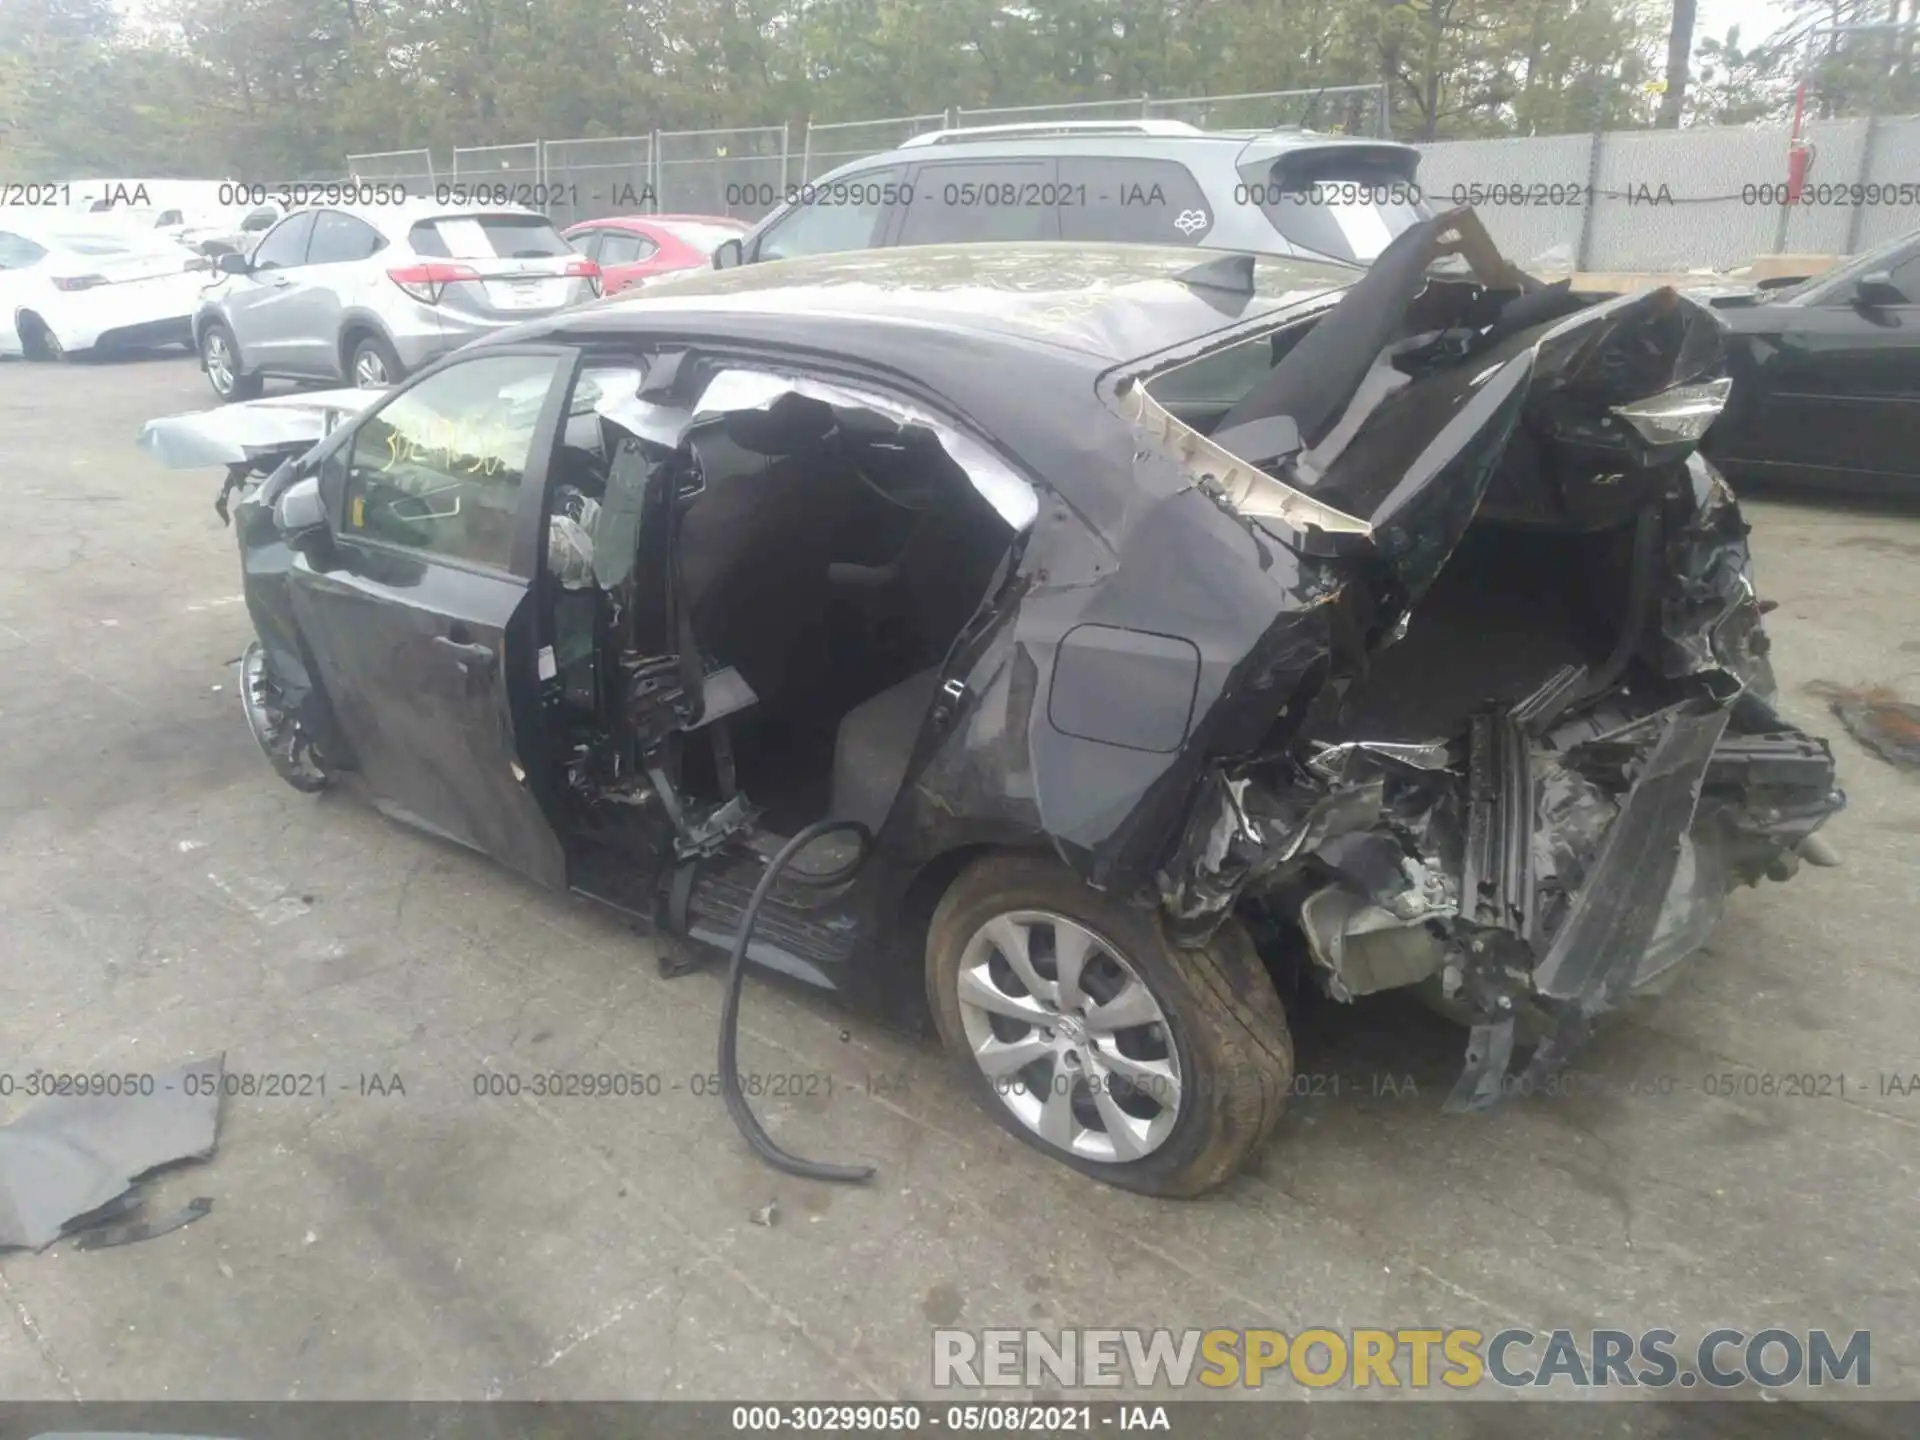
(68, 287)
(1828, 370)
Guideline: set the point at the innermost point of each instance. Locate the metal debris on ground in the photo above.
(1876, 717)
(76, 1158)
(767, 1214)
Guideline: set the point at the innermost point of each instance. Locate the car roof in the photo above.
(1118, 139)
(1107, 302)
(732, 221)
(57, 226)
(403, 215)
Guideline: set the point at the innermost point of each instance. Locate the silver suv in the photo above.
(1160, 182)
(365, 295)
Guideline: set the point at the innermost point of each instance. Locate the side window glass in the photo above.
(285, 246)
(16, 251)
(439, 468)
(338, 237)
(1147, 202)
(588, 242)
(843, 215)
(621, 247)
(983, 200)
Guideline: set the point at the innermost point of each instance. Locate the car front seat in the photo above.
(753, 555)
(872, 747)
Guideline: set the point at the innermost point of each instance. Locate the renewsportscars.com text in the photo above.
(1414, 1358)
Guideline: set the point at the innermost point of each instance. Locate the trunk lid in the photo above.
(1423, 395)
(518, 263)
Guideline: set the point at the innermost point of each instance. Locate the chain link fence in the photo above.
(740, 172)
(412, 168)
(1675, 200)
(1339, 109)
(499, 174)
(589, 179)
(832, 144)
(1642, 200)
(1047, 114)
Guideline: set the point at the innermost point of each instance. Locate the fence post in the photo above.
(1146, 107)
(806, 153)
(785, 126)
(1384, 104)
(1595, 143)
(1866, 170)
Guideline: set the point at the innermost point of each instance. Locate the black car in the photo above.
(1161, 636)
(1827, 377)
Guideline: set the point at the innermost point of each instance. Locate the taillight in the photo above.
(78, 282)
(426, 281)
(581, 268)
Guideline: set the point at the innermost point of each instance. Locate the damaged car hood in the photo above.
(254, 430)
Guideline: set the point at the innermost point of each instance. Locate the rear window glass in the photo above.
(1139, 201)
(487, 237)
(1345, 207)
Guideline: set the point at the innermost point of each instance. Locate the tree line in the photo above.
(288, 88)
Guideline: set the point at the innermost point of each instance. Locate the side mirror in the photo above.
(1877, 288)
(729, 253)
(232, 263)
(300, 511)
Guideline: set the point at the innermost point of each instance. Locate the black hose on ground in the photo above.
(743, 1117)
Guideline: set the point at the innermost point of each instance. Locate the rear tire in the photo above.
(372, 364)
(220, 358)
(1213, 1041)
(38, 342)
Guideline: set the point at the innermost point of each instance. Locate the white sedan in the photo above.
(67, 287)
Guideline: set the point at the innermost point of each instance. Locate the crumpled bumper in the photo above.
(1537, 875)
(1595, 864)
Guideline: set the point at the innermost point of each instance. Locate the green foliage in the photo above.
(285, 89)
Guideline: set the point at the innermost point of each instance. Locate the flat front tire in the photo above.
(287, 746)
(1084, 1030)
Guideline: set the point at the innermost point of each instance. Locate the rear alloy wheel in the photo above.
(1094, 1038)
(221, 360)
(372, 365)
(287, 746)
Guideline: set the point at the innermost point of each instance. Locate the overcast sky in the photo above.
(1757, 19)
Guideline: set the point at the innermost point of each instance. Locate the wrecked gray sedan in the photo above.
(1067, 641)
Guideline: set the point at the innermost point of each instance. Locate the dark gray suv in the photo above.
(1277, 192)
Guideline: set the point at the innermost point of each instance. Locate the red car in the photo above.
(635, 247)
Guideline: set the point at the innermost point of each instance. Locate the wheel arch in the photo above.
(354, 325)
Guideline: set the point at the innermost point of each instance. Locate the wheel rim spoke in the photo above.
(1131, 1138)
(1071, 948)
(1156, 1079)
(1134, 1005)
(1056, 1113)
(977, 988)
(1013, 940)
(1000, 1058)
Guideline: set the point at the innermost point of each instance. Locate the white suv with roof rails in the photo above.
(368, 294)
(1164, 182)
